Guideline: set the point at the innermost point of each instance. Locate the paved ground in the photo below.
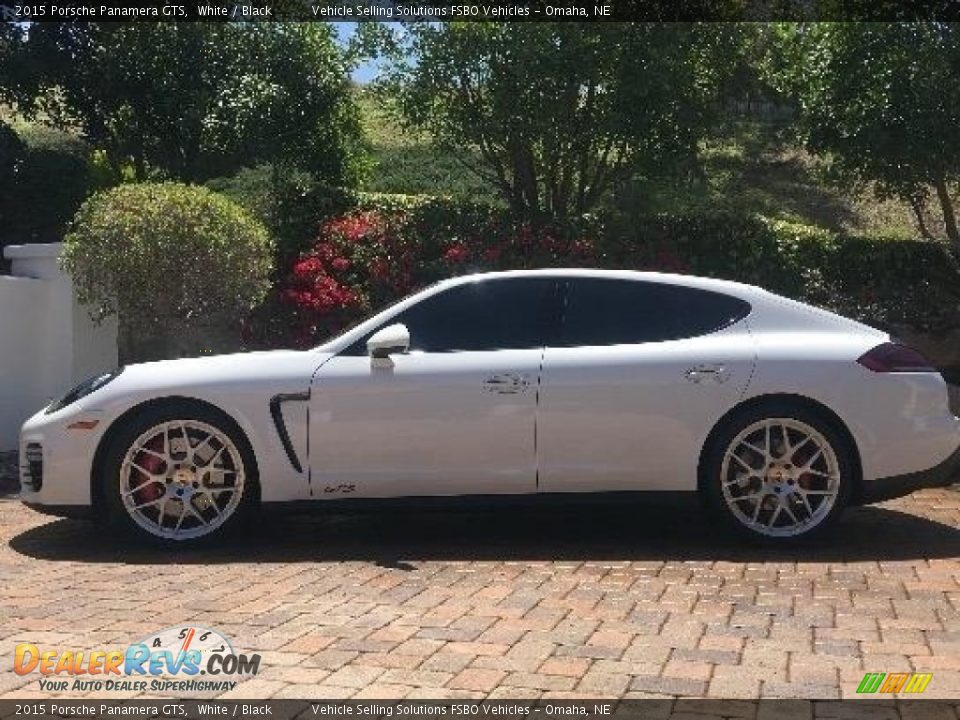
(637, 602)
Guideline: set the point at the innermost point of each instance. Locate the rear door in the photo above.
(639, 374)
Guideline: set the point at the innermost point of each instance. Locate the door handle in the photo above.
(506, 383)
(707, 373)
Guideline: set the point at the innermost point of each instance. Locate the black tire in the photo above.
(109, 497)
(712, 480)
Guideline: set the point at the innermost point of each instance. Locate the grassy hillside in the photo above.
(407, 162)
(752, 167)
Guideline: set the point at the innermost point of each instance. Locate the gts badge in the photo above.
(329, 489)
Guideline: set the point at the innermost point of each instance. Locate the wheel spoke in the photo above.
(149, 503)
(806, 467)
(796, 448)
(753, 448)
(142, 486)
(147, 450)
(183, 514)
(142, 469)
(773, 518)
(739, 480)
(197, 459)
(215, 457)
(198, 515)
(786, 509)
(213, 503)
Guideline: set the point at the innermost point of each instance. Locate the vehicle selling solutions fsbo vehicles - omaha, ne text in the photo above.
(537, 385)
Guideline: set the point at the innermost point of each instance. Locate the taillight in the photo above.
(893, 357)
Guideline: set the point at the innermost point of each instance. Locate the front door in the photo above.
(455, 415)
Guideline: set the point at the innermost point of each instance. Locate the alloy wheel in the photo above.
(780, 477)
(181, 479)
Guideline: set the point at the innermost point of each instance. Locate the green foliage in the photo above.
(558, 113)
(12, 153)
(387, 245)
(881, 101)
(55, 173)
(405, 161)
(196, 100)
(882, 281)
(165, 256)
(290, 204)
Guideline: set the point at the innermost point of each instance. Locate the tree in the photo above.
(881, 101)
(557, 114)
(196, 100)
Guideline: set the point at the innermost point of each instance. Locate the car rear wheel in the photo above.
(779, 473)
(178, 475)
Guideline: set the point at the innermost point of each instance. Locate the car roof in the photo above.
(695, 281)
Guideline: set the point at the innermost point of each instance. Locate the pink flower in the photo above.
(457, 254)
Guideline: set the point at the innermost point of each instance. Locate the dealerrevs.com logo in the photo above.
(178, 659)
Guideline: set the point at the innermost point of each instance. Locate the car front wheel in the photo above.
(779, 473)
(178, 475)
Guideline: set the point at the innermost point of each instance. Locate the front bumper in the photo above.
(58, 478)
(941, 475)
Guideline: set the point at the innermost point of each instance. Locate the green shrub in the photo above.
(290, 203)
(168, 256)
(882, 281)
(12, 154)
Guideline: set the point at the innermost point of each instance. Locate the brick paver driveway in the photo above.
(637, 602)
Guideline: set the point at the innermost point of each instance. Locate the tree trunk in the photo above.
(916, 204)
(949, 217)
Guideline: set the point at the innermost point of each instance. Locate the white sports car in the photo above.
(534, 385)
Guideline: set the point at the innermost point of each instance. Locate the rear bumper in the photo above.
(941, 475)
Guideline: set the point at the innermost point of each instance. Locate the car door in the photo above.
(455, 415)
(638, 375)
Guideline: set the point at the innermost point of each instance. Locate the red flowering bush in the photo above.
(364, 259)
(358, 261)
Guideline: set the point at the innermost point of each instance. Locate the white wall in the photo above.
(47, 341)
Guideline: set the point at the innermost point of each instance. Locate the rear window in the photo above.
(601, 311)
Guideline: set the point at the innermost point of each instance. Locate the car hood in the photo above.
(270, 371)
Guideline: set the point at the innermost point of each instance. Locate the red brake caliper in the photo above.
(147, 491)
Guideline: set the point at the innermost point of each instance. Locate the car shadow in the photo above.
(657, 530)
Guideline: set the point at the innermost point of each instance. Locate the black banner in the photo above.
(484, 10)
(600, 709)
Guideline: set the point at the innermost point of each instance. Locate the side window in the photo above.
(508, 313)
(619, 312)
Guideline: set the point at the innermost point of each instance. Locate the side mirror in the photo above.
(391, 339)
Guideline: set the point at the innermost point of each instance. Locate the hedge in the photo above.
(879, 280)
(388, 246)
(884, 281)
(50, 174)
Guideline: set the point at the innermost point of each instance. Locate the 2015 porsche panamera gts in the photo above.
(526, 384)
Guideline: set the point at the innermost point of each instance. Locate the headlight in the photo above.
(82, 390)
